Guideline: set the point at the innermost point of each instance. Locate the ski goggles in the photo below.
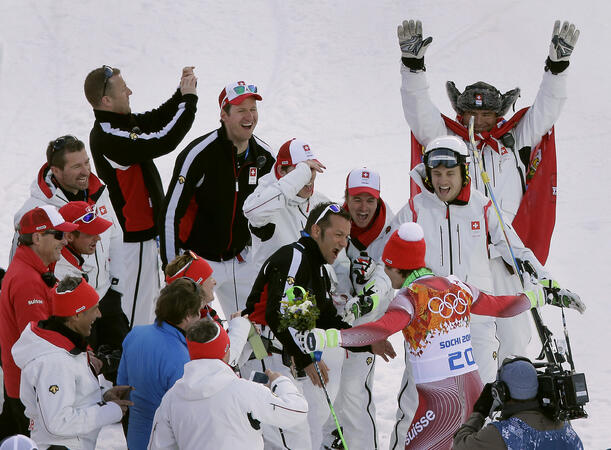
(442, 157)
(108, 73)
(58, 235)
(333, 208)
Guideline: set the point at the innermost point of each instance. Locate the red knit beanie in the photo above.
(405, 249)
(69, 303)
(215, 348)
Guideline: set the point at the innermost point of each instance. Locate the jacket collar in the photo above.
(29, 257)
(314, 254)
(73, 257)
(49, 186)
(58, 334)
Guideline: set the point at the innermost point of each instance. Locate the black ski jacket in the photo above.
(296, 264)
(203, 206)
(123, 147)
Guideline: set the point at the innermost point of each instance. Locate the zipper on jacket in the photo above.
(450, 238)
(235, 196)
(441, 243)
(458, 238)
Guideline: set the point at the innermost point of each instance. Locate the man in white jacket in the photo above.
(66, 177)
(458, 221)
(360, 277)
(278, 208)
(109, 330)
(211, 408)
(60, 390)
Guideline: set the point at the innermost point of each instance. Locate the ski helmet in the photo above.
(447, 151)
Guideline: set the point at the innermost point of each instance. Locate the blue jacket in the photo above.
(153, 359)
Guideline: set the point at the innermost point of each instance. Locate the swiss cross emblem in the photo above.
(478, 100)
(475, 225)
(365, 174)
(241, 83)
(102, 210)
(306, 148)
(253, 171)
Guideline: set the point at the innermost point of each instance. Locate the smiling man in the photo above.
(60, 390)
(302, 263)
(463, 237)
(212, 177)
(26, 296)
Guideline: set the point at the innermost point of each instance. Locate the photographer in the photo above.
(522, 423)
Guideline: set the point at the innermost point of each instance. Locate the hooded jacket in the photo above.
(211, 408)
(107, 262)
(61, 394)
(25, 297)
(457, 234)
(276, 214)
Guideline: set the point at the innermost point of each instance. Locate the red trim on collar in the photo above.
(53, 337)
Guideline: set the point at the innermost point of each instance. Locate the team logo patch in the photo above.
(290, 280)
(478, 100)
(475, 225)
(102, 210)
(241, 83)
(494, 355)
(306, 148)
(133, 135)
(181, 179)
(53, 389)
(369, 360)
(365, 174)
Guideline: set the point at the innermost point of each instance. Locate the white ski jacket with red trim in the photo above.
(456, 235)
(62, 396)
(504, 166)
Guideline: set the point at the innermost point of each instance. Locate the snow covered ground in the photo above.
(329, 73)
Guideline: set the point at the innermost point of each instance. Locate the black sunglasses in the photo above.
(108, 73)
(58, 235)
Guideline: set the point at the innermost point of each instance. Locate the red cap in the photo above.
(236, 93)
(85, 216)
(292, 153)
(69, 303)
(406, 248)
(363, 180)
(44, 218)
(197, 270)
(215, 348)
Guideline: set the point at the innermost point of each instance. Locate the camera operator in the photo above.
(522, 423)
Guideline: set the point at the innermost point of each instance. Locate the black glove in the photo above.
(484, 402)
(526, 267)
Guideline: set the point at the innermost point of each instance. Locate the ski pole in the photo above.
(545, 335)
(315, 358)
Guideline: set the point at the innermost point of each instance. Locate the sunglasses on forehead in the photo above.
(108, 73)
(87, 217)
(333, 207)
(60, 142)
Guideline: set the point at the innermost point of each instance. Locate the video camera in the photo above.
(562, 393)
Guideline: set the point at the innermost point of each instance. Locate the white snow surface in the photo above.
(329, 74)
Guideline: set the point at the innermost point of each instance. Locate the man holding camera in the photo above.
(522, 424)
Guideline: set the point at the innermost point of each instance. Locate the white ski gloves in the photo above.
(563, 41)
(549, 291)
(316, 339)
(410, 39)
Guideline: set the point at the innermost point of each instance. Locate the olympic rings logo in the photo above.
(450, 304)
